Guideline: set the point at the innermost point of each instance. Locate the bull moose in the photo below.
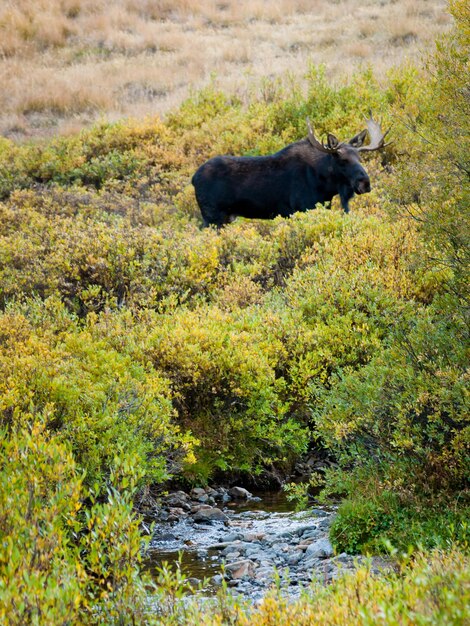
(296, 178)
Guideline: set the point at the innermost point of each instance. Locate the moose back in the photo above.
(296, 178)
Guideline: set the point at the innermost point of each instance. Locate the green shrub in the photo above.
(225, 388)
(98, 401)
(61, 563)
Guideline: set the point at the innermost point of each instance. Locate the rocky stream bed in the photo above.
(248, 540)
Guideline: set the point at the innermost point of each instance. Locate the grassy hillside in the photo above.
(136, 346)
(67, 63)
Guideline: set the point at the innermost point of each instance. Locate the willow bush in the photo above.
(136, 347)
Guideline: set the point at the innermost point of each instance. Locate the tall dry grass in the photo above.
(63, 63)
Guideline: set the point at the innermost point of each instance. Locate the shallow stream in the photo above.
(261, 537)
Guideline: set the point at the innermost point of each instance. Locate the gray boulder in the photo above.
(239, 493)
(321, 549)
(212, 514)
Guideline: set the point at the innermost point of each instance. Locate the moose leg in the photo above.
(345, 194)
(214, 217)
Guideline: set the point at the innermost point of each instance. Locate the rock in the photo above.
(200, 507)
(268, 555)
(229, 537)
(219, 546)
(254, 551)
(324, 523)
(380, 565)
(211, 514)
(175, 514)
(233, 545)
(253, 536)
(265, 573)
(197, 492)
(232, 556)
(344, 558)
(177, 494)
(241, 569)
(309, 564)
(288, 534)
(177, 501)
(239, 493)
(310, 534)
(321, 549)
(280, 547)
(217, 579)
(305, 529)
(294, 558)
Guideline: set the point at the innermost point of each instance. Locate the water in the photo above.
(261, 542)
(190, 544)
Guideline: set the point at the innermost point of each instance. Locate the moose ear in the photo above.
(332, 142)
(358, 140)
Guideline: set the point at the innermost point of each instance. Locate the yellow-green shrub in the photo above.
(98, 401)
(61, 563)
(225, 388)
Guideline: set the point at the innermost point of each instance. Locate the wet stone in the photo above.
(258, 542)
(212, 514)
(239, 493)
(166, 537)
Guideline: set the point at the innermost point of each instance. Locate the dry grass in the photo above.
(66, 62)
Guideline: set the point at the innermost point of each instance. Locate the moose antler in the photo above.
(333, 143)
(377, 138)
